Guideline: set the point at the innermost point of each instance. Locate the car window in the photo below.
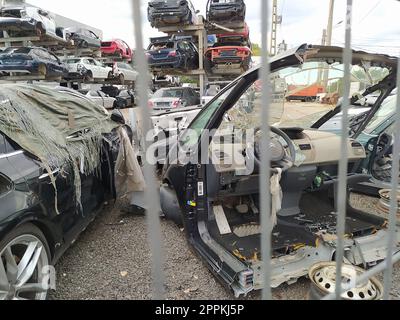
(85, 61)
(72, 61)
(2, 144)
(387, 110)
(169, 93)
(93, 35)
(183, 45)
(162, 45)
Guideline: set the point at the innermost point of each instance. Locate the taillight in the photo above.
(151, 104)
(5, 185)
(172, 54)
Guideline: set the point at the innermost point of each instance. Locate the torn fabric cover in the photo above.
(57, 127)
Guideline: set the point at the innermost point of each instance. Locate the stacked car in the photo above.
(71, 54)
(231, 54)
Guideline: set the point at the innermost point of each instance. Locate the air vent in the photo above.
(305, 147)
(356, 144)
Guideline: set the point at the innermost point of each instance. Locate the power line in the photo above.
(370, 11)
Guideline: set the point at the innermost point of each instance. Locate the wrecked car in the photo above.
(176, 52)
(26, 20)
(228, 58)
(60, 160)
(171, 12)
(82, 38)
(211, 179)
(172, 98)
(32, 61)
(229, 13)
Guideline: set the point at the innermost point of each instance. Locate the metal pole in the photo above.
(330, 23)
(151, 194)
(343, 164)
(393, 197)
(265, 156)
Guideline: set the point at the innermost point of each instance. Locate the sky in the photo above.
(376, 24)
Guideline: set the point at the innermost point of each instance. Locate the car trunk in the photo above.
(315, 222)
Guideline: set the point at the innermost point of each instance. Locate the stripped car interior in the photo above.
(219, 202)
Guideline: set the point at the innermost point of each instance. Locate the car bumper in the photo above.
(227, 12)
(165, 63)
(168, 17)
(17, 24)
(20, 69)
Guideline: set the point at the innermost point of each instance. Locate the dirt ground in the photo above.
(111, 260)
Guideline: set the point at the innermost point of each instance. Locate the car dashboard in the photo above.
(313, 147)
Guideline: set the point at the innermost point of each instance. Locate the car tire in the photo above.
(26, 243)
(42, 70)
(88, 77)
(40, 29)
(121, 79)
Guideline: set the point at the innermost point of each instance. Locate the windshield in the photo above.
(387, 110)
(169, 93)
(300, 96)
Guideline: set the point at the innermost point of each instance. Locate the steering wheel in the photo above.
(282, 156)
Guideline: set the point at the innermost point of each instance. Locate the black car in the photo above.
(83, 38)
(177, 52)
(211, 179)
(230, 13)
(46, 203)
(33, 61)
(171, 12)
(125, 99)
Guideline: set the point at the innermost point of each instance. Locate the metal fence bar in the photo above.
(265, 199)
(343, 163)
(393, 197)
(152, 197)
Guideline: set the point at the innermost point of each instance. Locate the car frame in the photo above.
(189, 97)
(176, 52)
(31, 61)
(191, 189)
(27, 18)
(228, 58)
(229, 13)
(82, 37)
(117, 48)
(171, 12)
(87, 68)
(35, 228)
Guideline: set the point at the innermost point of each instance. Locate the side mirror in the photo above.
(117, 116)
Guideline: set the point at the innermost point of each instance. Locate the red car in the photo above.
(117, 48)
(240, 36)
(228, 58)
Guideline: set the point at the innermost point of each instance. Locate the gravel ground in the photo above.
(111, 261)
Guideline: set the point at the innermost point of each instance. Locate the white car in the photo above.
(87, 68)
(124, 72)
(100, 98)
(27, 18)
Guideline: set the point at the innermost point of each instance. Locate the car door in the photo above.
(56, 201)
(94, 39)
(97, 72)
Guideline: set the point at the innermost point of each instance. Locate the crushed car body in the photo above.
(171, 12)
(61, 158)
(211, 177)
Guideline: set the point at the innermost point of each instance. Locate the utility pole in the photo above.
(330, 23)
(328, 37)
(276, 20)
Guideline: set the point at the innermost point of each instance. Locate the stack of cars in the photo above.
(231, 54)
(228, 13)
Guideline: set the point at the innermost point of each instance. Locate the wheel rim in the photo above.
(21, 269)
(42, 70)
(323, 277)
